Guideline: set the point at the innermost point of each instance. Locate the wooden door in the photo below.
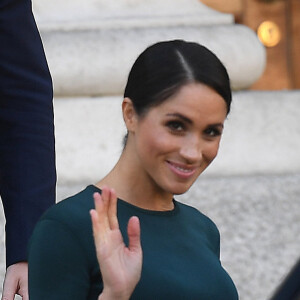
(277, 22)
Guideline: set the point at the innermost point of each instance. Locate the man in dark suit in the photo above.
(27, 159)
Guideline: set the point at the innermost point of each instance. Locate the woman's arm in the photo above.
(120, 265)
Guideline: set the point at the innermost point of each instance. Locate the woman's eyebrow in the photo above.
(217, 125)
(180, 116)
(189, 121)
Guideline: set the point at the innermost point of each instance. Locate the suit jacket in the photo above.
(27, 158)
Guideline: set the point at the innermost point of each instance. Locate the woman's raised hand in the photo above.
(120, 265)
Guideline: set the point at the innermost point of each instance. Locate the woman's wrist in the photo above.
(110, 295)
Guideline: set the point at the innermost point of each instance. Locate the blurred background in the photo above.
(252, 189)
(277, 24)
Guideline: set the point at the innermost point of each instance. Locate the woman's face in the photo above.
(174, 142)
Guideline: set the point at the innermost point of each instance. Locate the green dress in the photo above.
(180, 253)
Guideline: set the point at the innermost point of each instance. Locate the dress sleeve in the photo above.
(58, 265)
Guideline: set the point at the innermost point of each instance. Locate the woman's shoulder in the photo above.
(193, 213)
(196, 219)
(62, 240)
(72, 210)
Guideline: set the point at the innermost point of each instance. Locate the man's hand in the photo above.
(16, 281)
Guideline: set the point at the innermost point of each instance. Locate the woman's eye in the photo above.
(212, 132)
(175, 126)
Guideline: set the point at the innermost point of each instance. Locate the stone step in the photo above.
(96, 61)
(91, 46)
(261, 136)
(136, 13)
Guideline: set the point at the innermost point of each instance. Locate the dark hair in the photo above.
(163, 68)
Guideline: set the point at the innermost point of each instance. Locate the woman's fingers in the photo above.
(99, 218)
(134, 234)
(104, 220)
(112, 211)
(106, 207)
(105, 195)
(103, 200)
(96, 227)
(120, 266)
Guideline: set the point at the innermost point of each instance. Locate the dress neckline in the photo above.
(143, 210)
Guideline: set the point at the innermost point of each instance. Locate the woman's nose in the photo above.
(191, 151)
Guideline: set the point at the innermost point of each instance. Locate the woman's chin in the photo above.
(179, 190)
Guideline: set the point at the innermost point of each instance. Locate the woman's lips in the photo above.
(181, 170)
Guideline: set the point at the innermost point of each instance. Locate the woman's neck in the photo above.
(136, 187)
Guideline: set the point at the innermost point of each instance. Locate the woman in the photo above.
(175, 103)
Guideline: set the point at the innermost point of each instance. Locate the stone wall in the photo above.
(261, 136)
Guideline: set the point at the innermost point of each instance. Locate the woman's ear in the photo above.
(129, 114)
